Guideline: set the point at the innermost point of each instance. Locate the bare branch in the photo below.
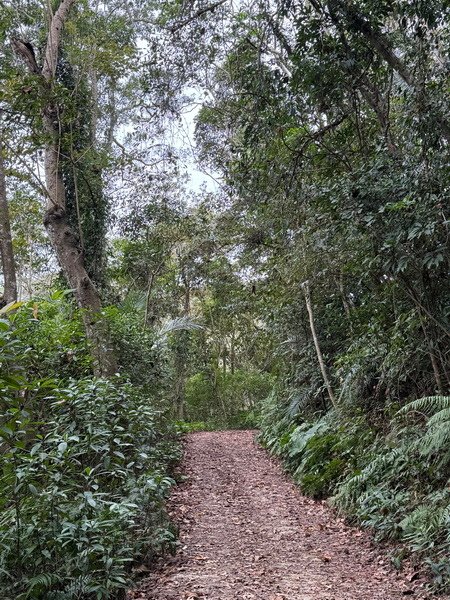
(381, 44)
(33, 180)
(132, 158)
(197, 14)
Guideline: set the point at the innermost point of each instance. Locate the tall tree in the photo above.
(63, 238)
(6, 245)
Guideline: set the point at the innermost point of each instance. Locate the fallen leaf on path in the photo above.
(325, 557)
(264, 540)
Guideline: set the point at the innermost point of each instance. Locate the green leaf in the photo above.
(9, 307)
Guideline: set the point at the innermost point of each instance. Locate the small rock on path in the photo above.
(248, 533)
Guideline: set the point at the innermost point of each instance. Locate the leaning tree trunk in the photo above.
(323, 368)
(181, 351)
(6, 247)
(64, 240)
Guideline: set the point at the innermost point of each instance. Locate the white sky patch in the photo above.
(184, 140)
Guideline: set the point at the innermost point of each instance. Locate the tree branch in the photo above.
(199, 13)
(25, 51)
(380, 43)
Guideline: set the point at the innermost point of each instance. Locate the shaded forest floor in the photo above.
(248, 533)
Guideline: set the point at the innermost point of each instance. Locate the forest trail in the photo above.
(248, 533)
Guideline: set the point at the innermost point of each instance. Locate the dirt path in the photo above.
(247, 533)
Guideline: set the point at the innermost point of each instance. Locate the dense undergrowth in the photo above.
(393, 480)
(215, 400)
(84, 464)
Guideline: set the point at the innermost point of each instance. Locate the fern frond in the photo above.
(424, 525)
(43, 580)
(440, 417)
(436, 439)
(427, 405)
(377, 465)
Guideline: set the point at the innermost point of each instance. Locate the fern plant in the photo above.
(436, 440)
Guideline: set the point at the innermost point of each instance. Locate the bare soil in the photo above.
(248, 533)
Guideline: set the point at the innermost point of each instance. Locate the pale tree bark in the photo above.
(181, 354)
(62, 237)
(232, 353)
(323, 369)
(6, 246)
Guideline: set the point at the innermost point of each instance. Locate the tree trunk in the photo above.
(148, 316)
(181, 354)
(345, 303)
(62, 237)
(232, 353)
(323, 369)
(369, 91)
(433, 358)
(6, 247)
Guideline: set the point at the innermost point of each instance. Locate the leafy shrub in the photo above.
(82, 466)
(50, 337)
(139, 358)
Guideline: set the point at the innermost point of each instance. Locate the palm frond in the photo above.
(177, 324)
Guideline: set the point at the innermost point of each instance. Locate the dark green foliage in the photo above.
(83, 469)
(86, 203)
(321, 466)
(140, 358)
(86, 198)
